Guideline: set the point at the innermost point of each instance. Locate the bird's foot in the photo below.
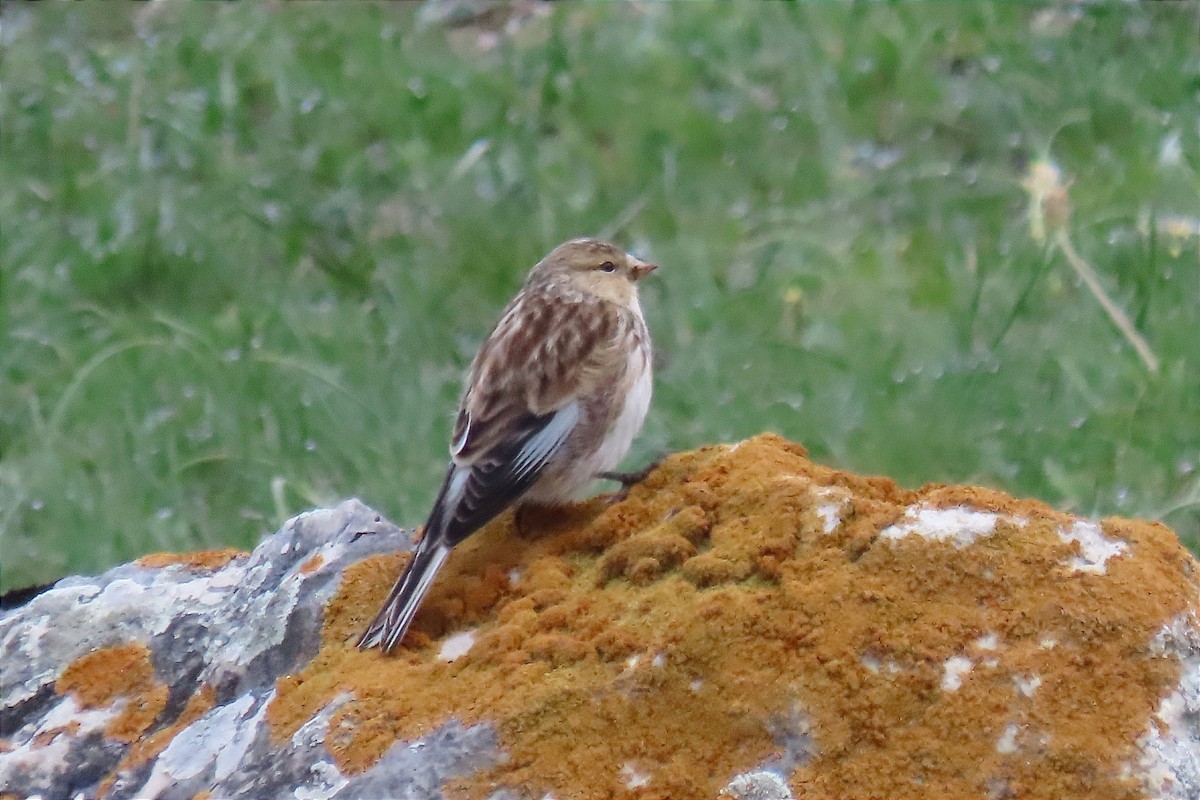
(532, 520)
(630, 479)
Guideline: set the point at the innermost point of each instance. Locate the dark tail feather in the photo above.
(392, 621)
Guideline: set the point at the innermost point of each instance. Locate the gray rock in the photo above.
(1170, 748)
(241, 626)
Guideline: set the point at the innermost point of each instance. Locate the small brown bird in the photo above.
(553, 400)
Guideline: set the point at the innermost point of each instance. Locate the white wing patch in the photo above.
(458, 444)
(542, 445)
(458, 482)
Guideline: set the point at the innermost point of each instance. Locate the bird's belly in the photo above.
(565, 479)
(629, 421)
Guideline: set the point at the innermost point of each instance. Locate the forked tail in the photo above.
(391, 623)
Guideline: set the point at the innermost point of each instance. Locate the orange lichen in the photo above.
(671, 633)
(125, 674)
(312, 565)
(207, 560)
(149, 747)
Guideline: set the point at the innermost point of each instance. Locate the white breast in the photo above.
(579, 469)
(633, 413)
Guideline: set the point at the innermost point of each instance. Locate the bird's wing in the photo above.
(547, 351)
(521, 404)
(472, 494)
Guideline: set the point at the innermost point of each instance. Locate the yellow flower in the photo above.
(1049, 204)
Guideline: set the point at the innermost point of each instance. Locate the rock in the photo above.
(744, 624)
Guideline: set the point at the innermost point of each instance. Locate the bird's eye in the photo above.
(608, 266)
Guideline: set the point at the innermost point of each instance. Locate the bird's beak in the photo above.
(640, 268)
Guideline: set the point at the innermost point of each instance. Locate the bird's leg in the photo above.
(519, 518)
(630, 479)
(532, 519)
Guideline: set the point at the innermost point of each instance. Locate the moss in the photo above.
(673, 632)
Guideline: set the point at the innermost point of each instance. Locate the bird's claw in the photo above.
(630, 479)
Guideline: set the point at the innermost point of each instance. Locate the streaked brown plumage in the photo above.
(554, 398)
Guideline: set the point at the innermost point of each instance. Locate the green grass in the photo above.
(247, 251)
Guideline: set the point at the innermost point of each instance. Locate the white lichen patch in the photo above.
(876, 665)
(953, 670)
(759, 785)
(44, 747)
(1169, 750)
(1027, 685)
(1007, 743)
(325, 781)
(830, 517)
(829, 507)
(960, 525)
(1095, 548)
(214, 742)
(33, 636)
(988, 641)
(634, 778)
(457, 646)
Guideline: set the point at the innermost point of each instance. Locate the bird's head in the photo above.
(594, 267)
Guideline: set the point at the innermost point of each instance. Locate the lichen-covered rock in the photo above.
(744, 624)
(154, 680)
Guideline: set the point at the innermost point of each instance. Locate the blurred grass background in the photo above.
(248, 250)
